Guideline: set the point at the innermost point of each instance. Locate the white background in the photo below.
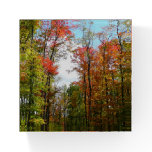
(140, 139)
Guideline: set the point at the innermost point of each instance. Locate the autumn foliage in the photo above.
(49, 66)
(100, 98)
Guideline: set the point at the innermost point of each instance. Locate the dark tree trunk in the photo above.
(84, 79)
(90, 89)
(122, 76)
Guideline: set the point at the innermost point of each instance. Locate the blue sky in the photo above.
(96, 28)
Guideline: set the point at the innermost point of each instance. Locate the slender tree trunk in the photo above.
(47, 114)
(90, 89)
(64, 122)
(106, 87)
(85, 93)
(64, 112)
(44, 94)
(122, 76)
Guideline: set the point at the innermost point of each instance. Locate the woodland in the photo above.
(99, 100)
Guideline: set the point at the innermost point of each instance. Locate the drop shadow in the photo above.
(141, 61)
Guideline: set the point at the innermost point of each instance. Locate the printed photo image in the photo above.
(75, 75)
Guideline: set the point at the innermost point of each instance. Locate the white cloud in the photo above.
(66, 77)
(66, 64)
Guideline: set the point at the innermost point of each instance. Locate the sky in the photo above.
(66, 64)
(96, 28)
(65, 77)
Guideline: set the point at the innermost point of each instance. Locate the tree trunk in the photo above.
(84, 80)
(90, 89)
(121, 73)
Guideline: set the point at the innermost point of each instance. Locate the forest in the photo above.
(100, 55)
